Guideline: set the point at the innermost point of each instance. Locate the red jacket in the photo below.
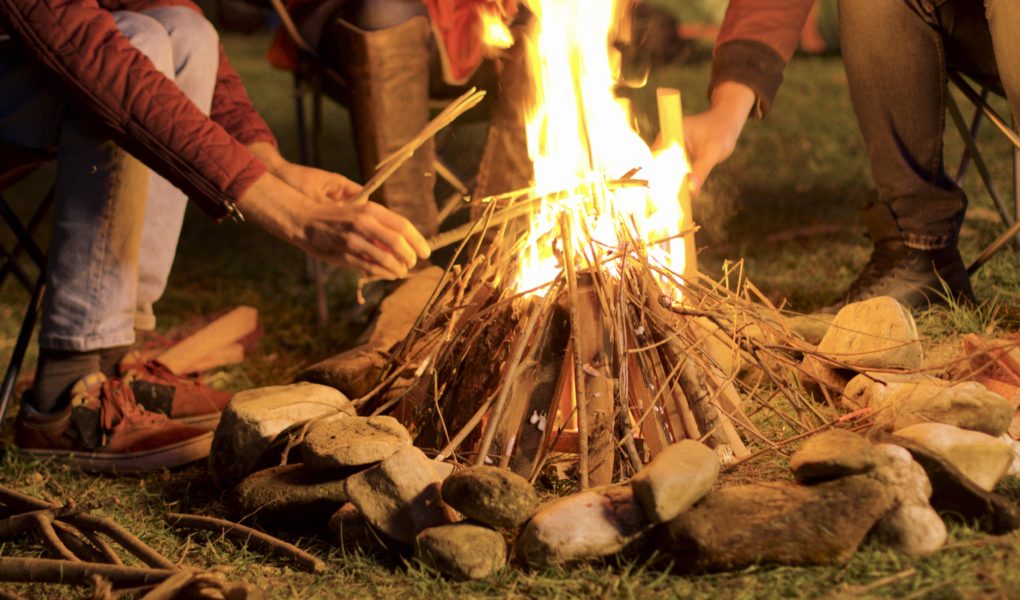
(757, 39)
(78, 42)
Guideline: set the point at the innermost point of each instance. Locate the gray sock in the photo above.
(58, 370)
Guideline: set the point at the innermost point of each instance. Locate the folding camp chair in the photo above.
(983, 110)
(15, 165)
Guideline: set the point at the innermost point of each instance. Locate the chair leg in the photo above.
(21, 347)
(979, 161)
(318, 270)
(972, 132)
(11, 265)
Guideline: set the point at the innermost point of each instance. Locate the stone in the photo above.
(352, 442)
(900, 404)
(870, 388)
(288, 495)
(983, 458)
(875, 333)
(912, 526)
(675, 479)
(401, 495)
(597, 522)
(354, 372)
(351, 530)
(777, 523)
(1014, 466)
(253, 418)
(491, 495)
(463, 551)
(832, 454)
(956, 496)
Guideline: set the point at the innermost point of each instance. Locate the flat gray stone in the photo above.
(288, 495)
(983, 458)
(462, 551)
(967, 404)
(253, 418)
(876, 333)
(832, 454)
(675, 479)
(352, 442)
(491, 495)
(775, 523)
(401, 495)
(594, 523)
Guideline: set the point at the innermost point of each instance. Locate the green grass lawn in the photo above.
(786, 204)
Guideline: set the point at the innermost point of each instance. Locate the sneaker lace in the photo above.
(117, 407)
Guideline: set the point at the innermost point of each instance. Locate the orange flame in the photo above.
(580, 140)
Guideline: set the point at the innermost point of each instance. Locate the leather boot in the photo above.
(917, 278)
(388, 71)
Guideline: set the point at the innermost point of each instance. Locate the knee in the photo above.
(188, 30)
(149, 38)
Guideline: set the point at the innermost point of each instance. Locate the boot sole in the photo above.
(207, 422)
(131, 463)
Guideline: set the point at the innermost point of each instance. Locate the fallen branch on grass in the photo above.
(243, 534)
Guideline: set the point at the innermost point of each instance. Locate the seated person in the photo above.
(897, 53)
(394, 54)
(116, 89)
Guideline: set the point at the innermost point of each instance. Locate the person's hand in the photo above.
(368, 236)
(711, 136)
(317, 184)
(321, 186)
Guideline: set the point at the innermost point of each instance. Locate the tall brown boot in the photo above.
(389, 74)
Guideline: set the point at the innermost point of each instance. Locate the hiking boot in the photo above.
(183, 399)
(104, 430)
(917, 278)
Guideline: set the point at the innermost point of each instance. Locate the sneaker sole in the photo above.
(131, 463)
(207, 422)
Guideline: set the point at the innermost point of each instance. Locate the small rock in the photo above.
(871, 388)
(1014, 466)
(288, 495)
(834, 453)
(983, 458)
(401, 495)
(912, 527)
(462, 551)
(354, 372)
(675, 479)
(351, 530)
(899, 404)
(491, 495)
(597, 522)
(352, 442)
(781, 523)
(954, 494)
(253, 418)
(876, 333)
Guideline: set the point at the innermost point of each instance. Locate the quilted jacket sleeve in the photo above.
(232, 108)
(79, 43)
(757, 39)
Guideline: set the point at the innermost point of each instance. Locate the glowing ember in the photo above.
(581, 142)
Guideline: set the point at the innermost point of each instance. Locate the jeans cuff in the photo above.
(55, 341)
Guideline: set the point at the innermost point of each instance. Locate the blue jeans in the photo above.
(897, 53)
(116, 223)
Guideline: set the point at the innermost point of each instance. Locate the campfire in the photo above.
(575, 319)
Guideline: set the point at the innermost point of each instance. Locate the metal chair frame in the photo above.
(24, 234)
(972, 154)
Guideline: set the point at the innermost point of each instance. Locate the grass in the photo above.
(786, 204)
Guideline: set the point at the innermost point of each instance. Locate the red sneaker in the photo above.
(183, 399)
(104, 430)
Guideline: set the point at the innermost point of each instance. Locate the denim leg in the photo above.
(896, 68)
(92, 273)
(194, 46)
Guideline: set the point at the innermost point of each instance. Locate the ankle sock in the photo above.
(58, 370)
(109, 357)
